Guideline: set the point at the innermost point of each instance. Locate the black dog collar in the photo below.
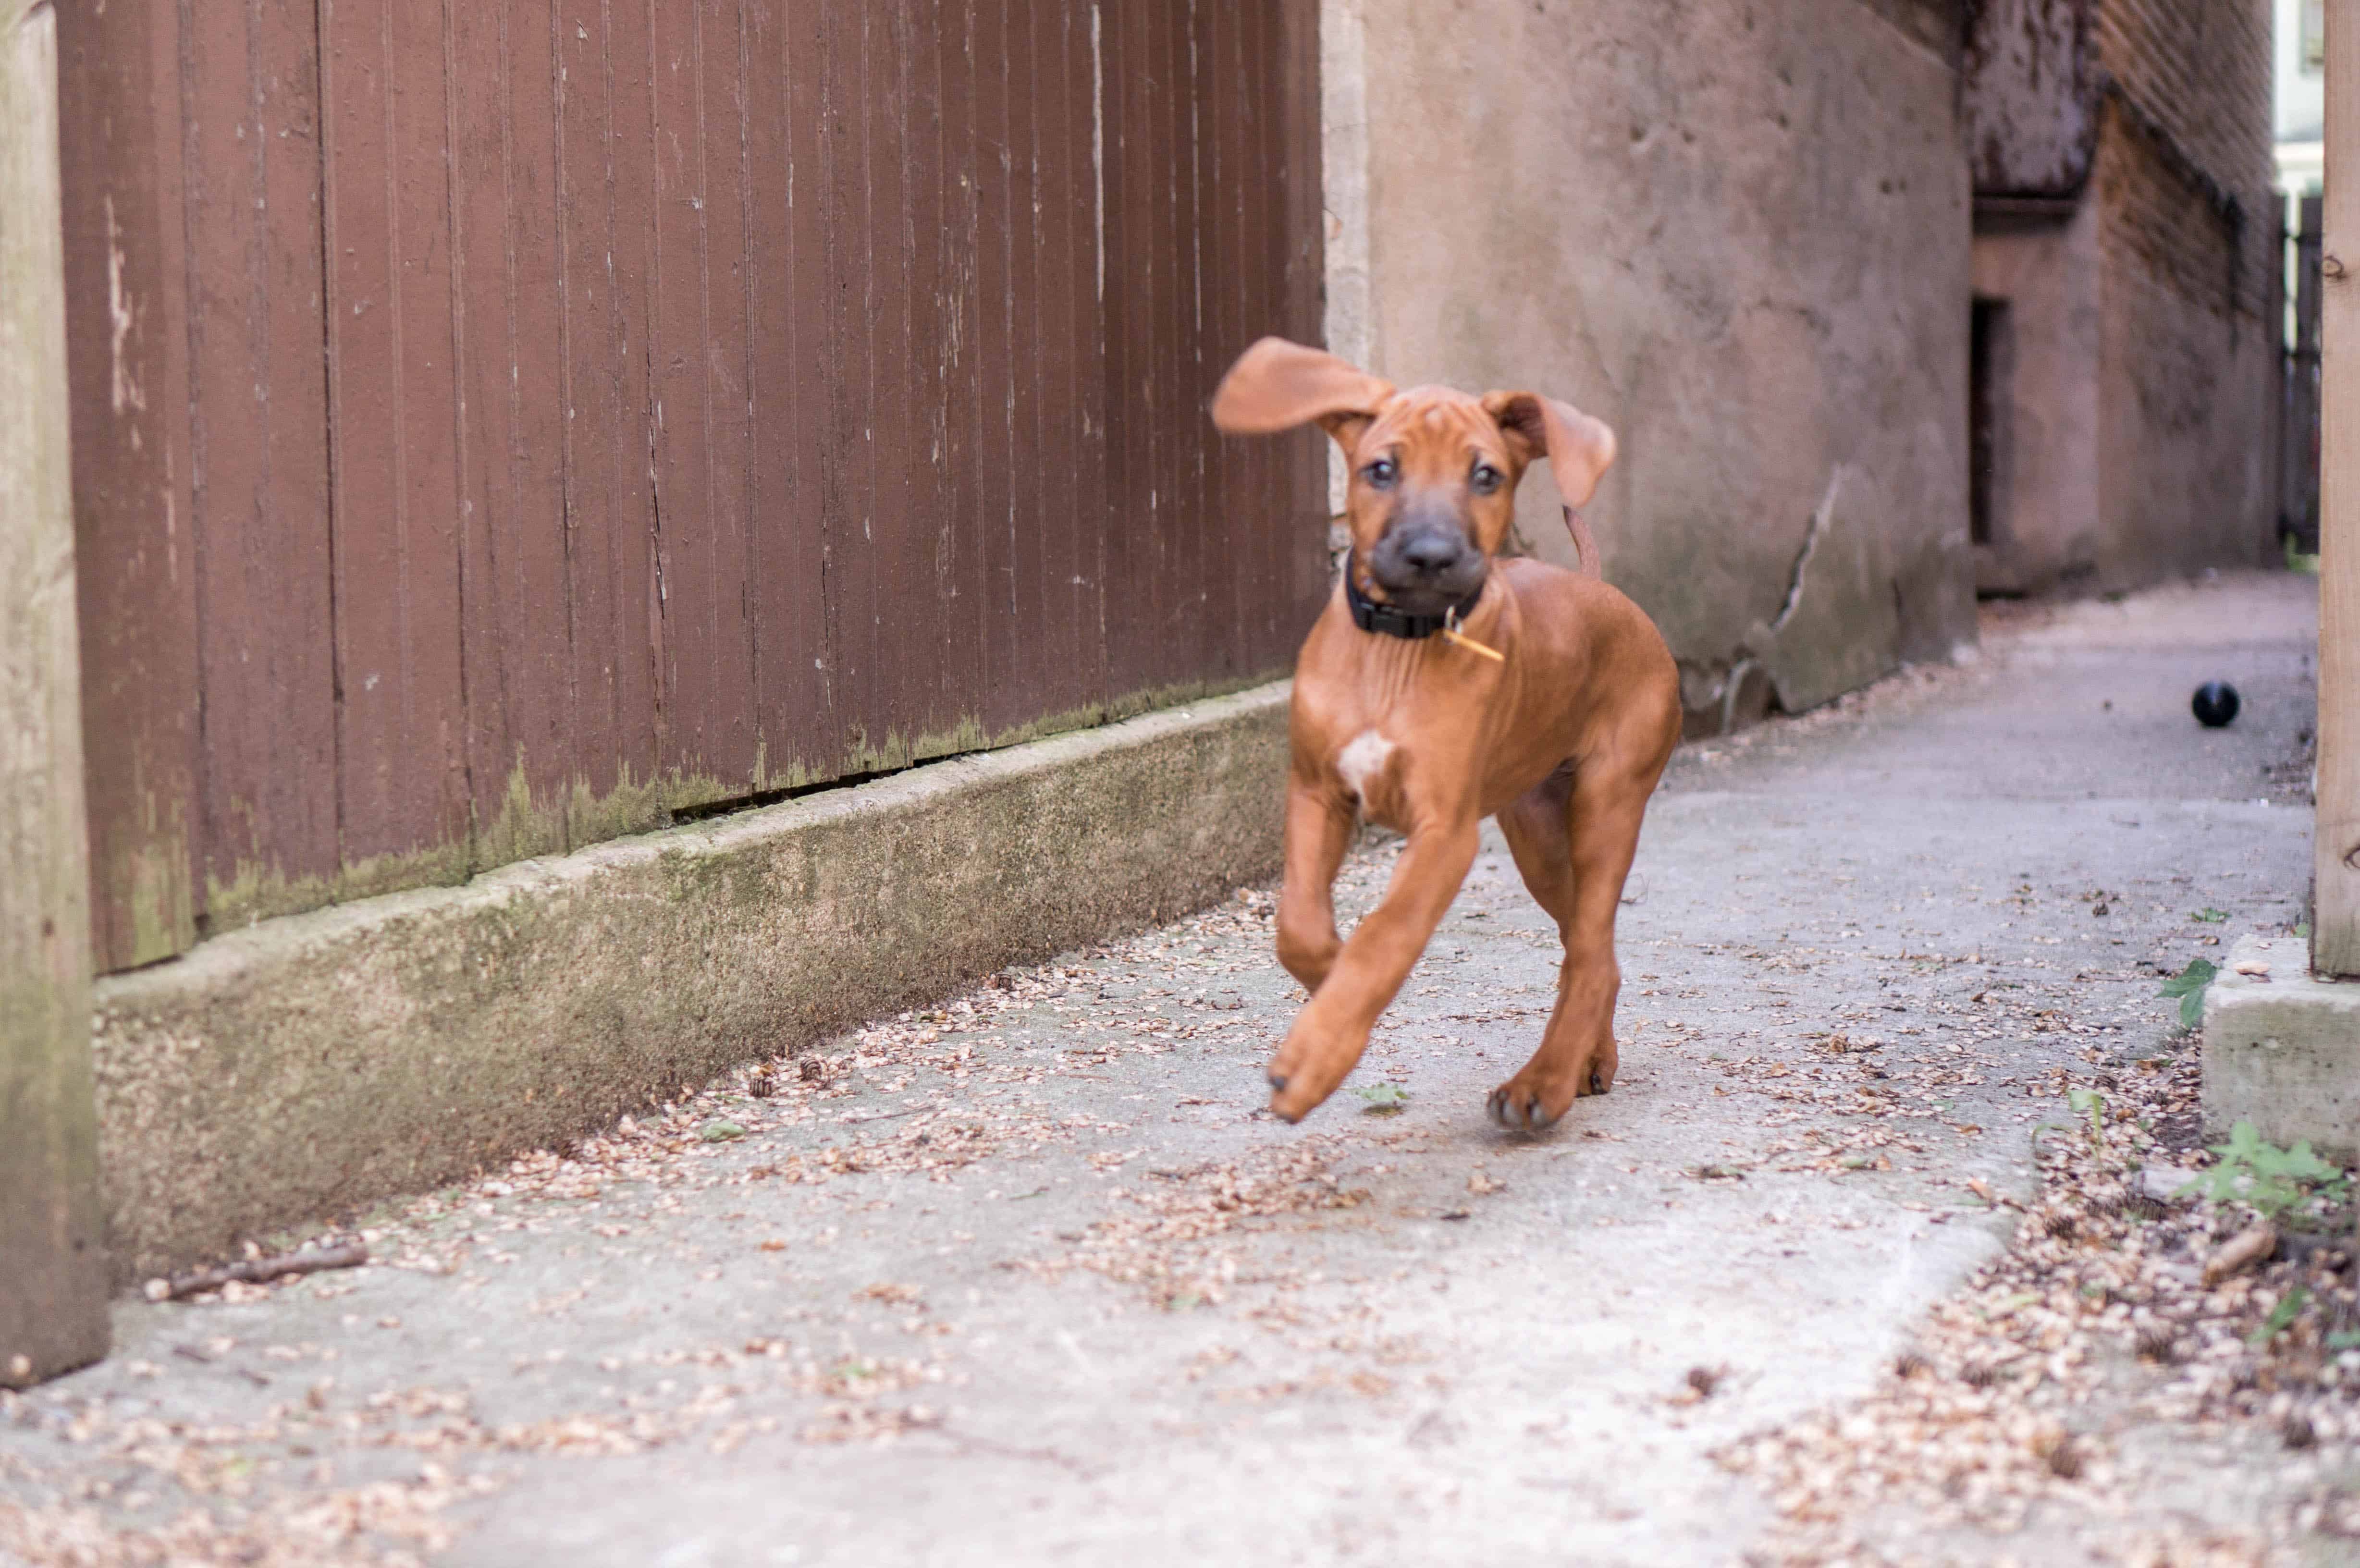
(1393, 621)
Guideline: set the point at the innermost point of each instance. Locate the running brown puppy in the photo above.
(1547, 700)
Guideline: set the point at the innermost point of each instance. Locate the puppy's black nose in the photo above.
(1431, 552)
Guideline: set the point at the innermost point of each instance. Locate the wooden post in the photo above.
(2336, 858)
(52, 1272)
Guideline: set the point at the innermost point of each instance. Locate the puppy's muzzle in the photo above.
(1427, 566)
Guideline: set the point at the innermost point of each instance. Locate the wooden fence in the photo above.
(501, 425)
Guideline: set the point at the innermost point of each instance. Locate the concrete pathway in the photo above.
(1030, 1278)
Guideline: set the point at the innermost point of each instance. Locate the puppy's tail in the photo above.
(1585, 545)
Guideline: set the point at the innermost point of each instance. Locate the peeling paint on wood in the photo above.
(127, 352)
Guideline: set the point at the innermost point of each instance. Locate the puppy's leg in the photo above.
(1574, 838)
(1318, 831)
(1333, 1027)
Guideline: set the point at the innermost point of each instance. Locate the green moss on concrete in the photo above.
(530, 825)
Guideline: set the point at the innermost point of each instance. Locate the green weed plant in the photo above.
(2188, 987)
(2272, 1179)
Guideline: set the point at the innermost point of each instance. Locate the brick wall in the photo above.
(2186, 235)
(2187, 133)
(2139, 275)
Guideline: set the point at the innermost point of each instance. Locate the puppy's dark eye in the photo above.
(1381, 473)
(1485, 479)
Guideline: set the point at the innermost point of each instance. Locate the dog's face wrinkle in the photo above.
(1431, 497)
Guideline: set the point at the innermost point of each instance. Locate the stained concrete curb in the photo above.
(2282, 1049)
(311, 1064)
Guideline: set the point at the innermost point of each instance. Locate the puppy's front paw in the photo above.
(1520, 1108)
(1307, 1070)
(1292, 1096)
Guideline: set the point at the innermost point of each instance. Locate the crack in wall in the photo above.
(1812, 537)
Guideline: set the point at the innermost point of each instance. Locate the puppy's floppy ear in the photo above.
(1578, 448)
(1276, 385)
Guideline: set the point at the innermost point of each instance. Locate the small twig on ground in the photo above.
(974, 1444)
(257, 1272)
(886, 1116)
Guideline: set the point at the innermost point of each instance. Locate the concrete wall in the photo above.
(2189, 240)
(2187, 444)
(1740, 234)
(2032, 102)
(289, 1073)
(2046, 503)
(2143, 388)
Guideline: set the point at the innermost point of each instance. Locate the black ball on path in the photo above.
(2215, 705)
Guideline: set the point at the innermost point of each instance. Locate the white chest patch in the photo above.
(1363, 760)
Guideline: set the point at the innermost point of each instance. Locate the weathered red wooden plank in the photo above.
(589, 388)
(509, 347)
(478, 88)
(1202, 640)
(1247, 467)
(1033, 558)
(638, 654)
(725, 694)
(1260, 464)
(901, 666)
(676, 352)
(1180, 634)
(1240, 554)
(257, 518)
(1069, 608)
(532, 563)
(1174, 429)
(1267, 462)
(1068, 542)
(1004, 632)
(1296, 103)
(1166, 600)
(1130, 551)
(961, 581)
(946, 691)
(401, 787)
(1132, 554)
(847, 476)
(782, 588)
(126, 367)
(1084, 319)
(811, 411)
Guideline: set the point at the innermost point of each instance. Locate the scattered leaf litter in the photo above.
(2006, 1414)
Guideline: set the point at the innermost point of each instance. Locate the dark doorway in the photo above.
(1988, 407)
